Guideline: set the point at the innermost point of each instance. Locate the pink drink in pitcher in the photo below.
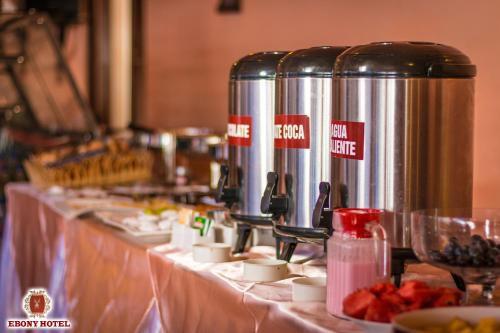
(358, 255)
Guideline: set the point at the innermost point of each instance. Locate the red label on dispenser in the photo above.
(291, 131)
(239, 131)
(347, 139)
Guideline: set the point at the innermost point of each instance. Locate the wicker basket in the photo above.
(111, 168)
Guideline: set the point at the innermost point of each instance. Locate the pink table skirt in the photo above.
(96, 277)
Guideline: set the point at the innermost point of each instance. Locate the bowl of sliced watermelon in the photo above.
(374, 308)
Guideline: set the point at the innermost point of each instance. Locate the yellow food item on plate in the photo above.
(487, 325)
(458, 325)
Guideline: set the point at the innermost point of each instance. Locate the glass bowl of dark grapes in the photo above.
(465, 242)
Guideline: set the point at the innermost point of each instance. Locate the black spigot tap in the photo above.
(271, 202)
(322, 214)
(228, 195)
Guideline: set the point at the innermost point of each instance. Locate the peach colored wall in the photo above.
(190, 48)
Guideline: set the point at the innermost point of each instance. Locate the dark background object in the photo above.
(229, 6)
(138, 57)
(37, 80)
(62, 12)
(98, 58)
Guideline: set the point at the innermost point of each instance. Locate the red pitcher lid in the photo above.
(353, 221)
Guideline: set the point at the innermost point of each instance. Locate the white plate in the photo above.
(115, 219)
(371, 326)
(183, 236)
(415, 321)
(79, 206)
(137, 190)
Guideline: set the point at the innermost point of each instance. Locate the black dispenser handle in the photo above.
(322, 214)
(219, 193)
(223, 193)
(272, 183)
(243, 231)
(271, 203)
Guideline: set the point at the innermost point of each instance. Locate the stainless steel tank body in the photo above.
(250, 138)
(301, 140)
(402, 131)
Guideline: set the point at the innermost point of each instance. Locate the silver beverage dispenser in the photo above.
(250, 141)
(402, 133)
(301, 146)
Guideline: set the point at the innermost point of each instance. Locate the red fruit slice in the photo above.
(396, 302)
(383, 288)
(414, 290)
(379, 311)
(417, 305)
(424, 297)
(356, 304)
(447, 298)
(414, 284)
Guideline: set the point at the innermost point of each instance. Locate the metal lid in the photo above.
(312, 62)
(254, 66)
(404, 59)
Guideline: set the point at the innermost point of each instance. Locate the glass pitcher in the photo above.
(358, 254)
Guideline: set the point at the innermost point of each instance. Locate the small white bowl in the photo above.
(211, 252)
(417, 321)
(264, 270)
(309, 289)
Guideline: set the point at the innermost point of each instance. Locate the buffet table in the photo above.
(104, 280)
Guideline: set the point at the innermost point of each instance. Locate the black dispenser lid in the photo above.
(312, 62)
(404, 59)
(254, 66)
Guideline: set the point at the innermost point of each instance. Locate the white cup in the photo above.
(264, 270)
(183, 236)
(309, 289)
(211, 252)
